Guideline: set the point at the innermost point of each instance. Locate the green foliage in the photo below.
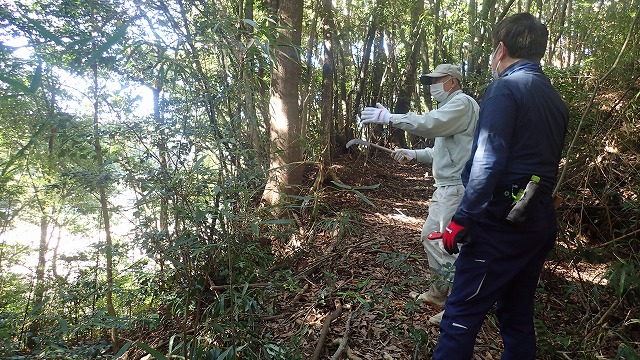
(624, 277)
(626, 353)
(196, 160)
(356, 190)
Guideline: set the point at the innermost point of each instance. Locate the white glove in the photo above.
(403, 156)
(375, 115)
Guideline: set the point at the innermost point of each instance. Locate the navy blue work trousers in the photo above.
(500, 266)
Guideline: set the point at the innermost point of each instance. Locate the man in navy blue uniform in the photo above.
(518, 142)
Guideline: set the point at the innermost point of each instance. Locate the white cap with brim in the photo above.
(440, 71)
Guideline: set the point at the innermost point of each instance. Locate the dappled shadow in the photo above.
(362, 272)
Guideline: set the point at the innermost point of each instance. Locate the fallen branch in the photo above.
(623, 237)
(351, 355)
(343, 341)
(325, 330)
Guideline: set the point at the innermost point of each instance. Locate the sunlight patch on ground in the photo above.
(582, 272)
(418, 178)
(401, 217)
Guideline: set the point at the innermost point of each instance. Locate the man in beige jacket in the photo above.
(452, 125)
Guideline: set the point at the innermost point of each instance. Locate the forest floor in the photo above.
(357, 273)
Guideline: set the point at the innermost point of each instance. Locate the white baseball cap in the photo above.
(440, 71)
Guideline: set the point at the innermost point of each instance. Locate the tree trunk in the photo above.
(473, 50)
(286, 170)
(553, 45)
(307, 82)
(38, 293)
(163, 215)
(437, 32)
(327, 85)
(487, 16)
(364, 66)
(407, 89)
(104, 206)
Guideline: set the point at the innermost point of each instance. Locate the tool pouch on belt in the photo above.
(521, 209)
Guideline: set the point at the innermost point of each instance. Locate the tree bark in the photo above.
(39, 288)
(104, 205)
(437, 32)
(473, 51)
(407, 88)
(286, 155)
(328, 67)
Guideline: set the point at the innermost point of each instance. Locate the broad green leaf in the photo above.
(364, 198)
(109, 42)
(36, 80)
(367, 187)
(153, 352)
(250, 23)
(19, 85)
(341, 185)
(122, 350)
(64, 326)
(80, 42)
(46, 33)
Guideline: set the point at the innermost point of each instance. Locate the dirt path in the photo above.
(365, 268)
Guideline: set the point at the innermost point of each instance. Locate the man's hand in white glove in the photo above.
(375, 115)
(403, 156)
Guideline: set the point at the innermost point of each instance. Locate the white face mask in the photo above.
(437, 91)
(495, 74)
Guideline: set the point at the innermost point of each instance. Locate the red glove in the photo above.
(453, 234)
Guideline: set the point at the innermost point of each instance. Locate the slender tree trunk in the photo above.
(437, 32)
(407, 88)
(344, 131)
(39, 288)
(568, 42)
(379, 65)
(104, 206)
(327, 84)
(286, 155)
(473, 50)
(161, 145)
(305, 90)
(54, 256)
(248, 77)
(560, 24)
(487, 16)
(364, 66)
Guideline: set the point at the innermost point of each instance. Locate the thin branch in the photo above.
(343, 341)
(325, 330)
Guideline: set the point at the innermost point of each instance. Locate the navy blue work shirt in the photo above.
(520, 132)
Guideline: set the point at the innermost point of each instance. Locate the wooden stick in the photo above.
(325, 330)
(343, 342)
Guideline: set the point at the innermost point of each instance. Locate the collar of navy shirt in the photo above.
(524, 64)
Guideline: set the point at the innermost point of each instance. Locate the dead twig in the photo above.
(623, 237)
(325, 330)
(343, 341)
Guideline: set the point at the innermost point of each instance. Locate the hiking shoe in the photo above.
(437, 318)
(436, 295)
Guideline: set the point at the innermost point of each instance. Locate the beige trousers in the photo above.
(443, 205)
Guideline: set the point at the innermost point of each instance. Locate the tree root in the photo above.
(342, 343)
(325, 330)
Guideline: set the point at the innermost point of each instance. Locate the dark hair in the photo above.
(524, 36)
